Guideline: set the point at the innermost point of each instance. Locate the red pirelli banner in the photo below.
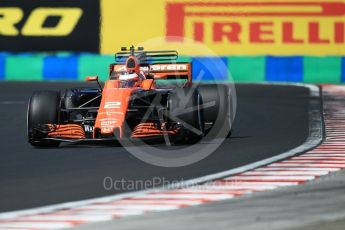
(228, 27)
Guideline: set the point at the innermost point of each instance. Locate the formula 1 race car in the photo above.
(148, 95)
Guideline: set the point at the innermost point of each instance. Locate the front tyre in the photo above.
(42, 109)
(185, 108)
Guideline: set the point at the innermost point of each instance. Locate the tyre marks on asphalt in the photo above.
(326, 158)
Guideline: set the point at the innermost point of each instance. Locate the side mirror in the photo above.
(94, 78)
(91, 78)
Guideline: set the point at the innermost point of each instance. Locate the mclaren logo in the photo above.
(155, 68)
(34, 25)
(168, 67)
(257, 22)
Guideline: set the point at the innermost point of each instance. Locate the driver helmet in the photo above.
(132, 65)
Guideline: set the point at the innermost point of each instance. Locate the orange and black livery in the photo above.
(149, 95)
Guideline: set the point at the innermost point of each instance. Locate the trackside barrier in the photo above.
(70, 66)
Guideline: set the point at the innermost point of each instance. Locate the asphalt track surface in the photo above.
(269, 120)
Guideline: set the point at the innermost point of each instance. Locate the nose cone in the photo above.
(112, 112)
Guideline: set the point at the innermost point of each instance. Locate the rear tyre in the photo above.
(217, 109)
(42, 109)
(185, 108)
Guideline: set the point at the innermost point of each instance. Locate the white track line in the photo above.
(288, 173)
(312, 165)
(132, 206)
(302, 169)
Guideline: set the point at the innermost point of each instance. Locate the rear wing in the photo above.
(147, 57)
(168, 71)
(155, 64)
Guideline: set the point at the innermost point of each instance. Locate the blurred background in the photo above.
(270, 40)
